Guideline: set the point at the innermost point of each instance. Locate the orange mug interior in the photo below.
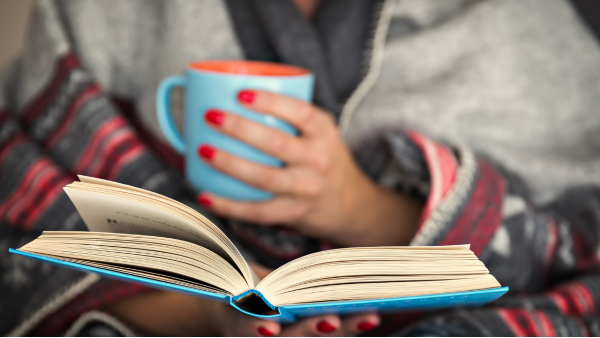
(248, 68)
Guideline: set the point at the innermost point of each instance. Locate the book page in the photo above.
(107, 206)
(159, 258)
(106, 213)
(374, 273)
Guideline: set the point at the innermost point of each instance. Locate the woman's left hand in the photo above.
(320, 191)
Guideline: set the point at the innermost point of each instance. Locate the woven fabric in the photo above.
(58, 119)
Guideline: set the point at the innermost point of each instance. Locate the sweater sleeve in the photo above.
(469, 199)
(56, 122)
(546, 254)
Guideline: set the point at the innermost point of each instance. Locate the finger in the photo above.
(360, 323)
(265, 328)
(260, 176)
(304, 116)
(245, 325)
(257, 175)
(280, 210)
(285, 147)
(321, 326)
(250, 326)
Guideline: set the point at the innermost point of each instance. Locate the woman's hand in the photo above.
(232, 322)
(320, 191)
(165, 313)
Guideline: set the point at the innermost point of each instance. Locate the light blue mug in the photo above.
(215, 84)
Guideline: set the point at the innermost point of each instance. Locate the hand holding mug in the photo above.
(320, 191)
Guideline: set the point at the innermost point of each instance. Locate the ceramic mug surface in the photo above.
(215, 84)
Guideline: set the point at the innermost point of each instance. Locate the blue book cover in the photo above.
(291, 313)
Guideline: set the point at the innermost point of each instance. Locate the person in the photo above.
(434, 123)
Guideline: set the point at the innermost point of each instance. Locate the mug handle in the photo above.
(163, 111)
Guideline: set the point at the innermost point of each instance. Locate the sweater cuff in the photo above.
(464, 205)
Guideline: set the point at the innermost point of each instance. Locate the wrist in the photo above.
(379, 217)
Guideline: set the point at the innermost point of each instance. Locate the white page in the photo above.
(109, 213)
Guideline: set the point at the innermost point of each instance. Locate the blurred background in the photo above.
(13, 20)
(14, 14)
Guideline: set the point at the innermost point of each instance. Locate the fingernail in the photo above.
(246, 96)
(214, 116)
(206, 152)
(366, 326)
(325, 327)
(204, 201)
(265, 332)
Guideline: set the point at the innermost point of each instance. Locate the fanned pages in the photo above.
(149, 237)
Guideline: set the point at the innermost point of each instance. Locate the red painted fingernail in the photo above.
(246, 96)
(325, 327)
(214, 116)
(206, 152)
(265, 332)
(204, 201)
(366, 326)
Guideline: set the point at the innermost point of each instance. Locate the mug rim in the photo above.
(248, 68)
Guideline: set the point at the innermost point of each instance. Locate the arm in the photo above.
(56, 122)
(321, 192)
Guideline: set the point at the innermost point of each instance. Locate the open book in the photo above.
(147, 238)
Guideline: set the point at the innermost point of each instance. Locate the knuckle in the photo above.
(322, 163)
(249, 213)
(305, 112)
(312, 189)
(278, 143)
(298, 213)
(329, 120)
(263, 178)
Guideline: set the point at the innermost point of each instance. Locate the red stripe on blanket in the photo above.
(442, 169)
(45, 201)
(120, 149)
(559, 300)
(519, 321)
(586, 254)
(587, 297)
(482, 215)
(89, 153)
(546, 325)
(582, 302)
(9, 146)
(572, 299)
(29, 176)
(90, 92)
(63, 67)
(46, 178)
(125, 157)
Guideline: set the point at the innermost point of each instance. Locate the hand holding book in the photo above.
(320, 192)
(165, 313)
